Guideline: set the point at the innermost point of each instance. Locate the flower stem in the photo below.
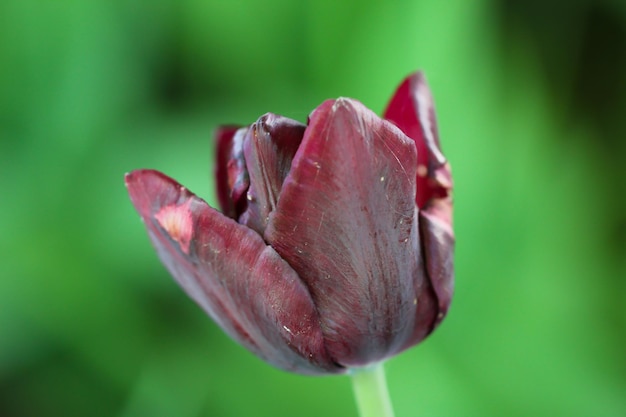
(370, 391)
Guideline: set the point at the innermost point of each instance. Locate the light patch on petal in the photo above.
(177, 221)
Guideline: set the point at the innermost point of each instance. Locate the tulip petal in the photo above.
(438, 241)
(254, 295)
(346, 222)
(411, 109)
(230, 172)
(269, 147)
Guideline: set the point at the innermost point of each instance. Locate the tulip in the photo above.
(333, 247)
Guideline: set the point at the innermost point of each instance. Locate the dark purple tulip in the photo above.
(334, 245)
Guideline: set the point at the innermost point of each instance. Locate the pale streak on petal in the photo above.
(177, 221)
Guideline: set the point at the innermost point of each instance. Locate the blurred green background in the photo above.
(531, 99)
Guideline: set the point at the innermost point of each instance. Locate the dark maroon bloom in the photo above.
(334, 245)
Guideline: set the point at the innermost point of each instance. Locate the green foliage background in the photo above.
(531, 99)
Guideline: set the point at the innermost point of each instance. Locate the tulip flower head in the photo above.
(333, 245)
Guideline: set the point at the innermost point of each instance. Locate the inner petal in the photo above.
(269, 147)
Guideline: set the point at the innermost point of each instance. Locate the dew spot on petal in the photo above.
(177, 221)
(422, 171)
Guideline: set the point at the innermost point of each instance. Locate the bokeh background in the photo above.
(531, 99)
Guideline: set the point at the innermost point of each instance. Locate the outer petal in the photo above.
(346, 221)
(269, 147)
(246, 287)
(438, 245)
(412, 109)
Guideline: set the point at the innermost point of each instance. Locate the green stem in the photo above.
(370, 391)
